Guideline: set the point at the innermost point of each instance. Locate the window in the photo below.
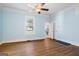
(29, 24)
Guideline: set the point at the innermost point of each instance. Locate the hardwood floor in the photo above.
(45, 47)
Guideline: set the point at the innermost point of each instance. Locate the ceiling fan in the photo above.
(39, 7)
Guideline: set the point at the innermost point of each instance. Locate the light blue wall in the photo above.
(0, 24)
(67, 26)
(70, 26)
(13, 25)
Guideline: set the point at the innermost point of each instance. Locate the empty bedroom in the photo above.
(39, 29)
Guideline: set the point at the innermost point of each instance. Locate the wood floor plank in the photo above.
(45, 47)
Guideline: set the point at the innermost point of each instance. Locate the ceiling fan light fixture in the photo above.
(39, 11)
(40, 7)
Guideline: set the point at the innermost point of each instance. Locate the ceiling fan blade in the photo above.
(39, 12)
(44, 9)
(42, 4)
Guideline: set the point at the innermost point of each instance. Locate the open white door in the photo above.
(49, 27)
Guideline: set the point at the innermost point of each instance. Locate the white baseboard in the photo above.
(20, 40)
(13, 40)
(75, 44)
(72, 43)
(0, 43)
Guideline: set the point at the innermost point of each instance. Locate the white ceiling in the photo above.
(29, 7)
